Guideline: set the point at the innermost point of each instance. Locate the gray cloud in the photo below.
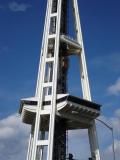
(13, 138)
(79, 144)
(18, 7)
(117, 113)
(108, 153)
(114, 89)
(105, 137)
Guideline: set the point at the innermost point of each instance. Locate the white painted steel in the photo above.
(50, 59)
(84, 80)
(70, 41)
(33, 141)
(29, 147)
(39, 88)
(55, 72)
(93, 139)
(41, 84)
(83, 67)
(42, 143)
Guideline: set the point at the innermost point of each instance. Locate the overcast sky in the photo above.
(21, 27)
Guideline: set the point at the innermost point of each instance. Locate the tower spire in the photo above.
(51, 111)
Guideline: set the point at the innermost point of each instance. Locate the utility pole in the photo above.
(112, 131)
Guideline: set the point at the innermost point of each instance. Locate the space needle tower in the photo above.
(53, 111)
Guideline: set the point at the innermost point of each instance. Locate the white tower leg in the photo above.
(93, 139)
(83, 66)
(85, 82)
(53, 111)
(30, 145)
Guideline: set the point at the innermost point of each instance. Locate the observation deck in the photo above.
(78, 112)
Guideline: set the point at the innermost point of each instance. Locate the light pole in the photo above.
(111, 129)
(118, 116)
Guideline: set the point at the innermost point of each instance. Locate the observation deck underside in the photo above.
(78, 112)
